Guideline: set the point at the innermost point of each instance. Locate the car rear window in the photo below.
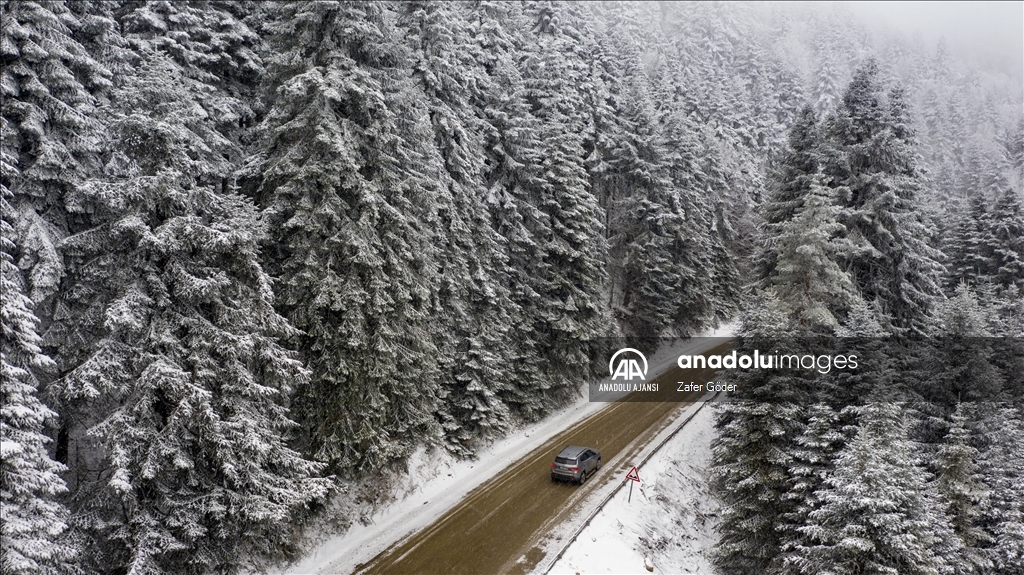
(565, 460)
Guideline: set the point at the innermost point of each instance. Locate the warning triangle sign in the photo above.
(633, 475)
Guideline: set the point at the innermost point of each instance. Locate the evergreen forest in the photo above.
(256, 254)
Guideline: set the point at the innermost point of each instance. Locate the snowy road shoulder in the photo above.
(668, 526)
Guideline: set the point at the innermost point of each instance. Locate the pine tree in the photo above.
(570, 276)
(473, 310)
(961, 492)
(875, 172)
(693, 170)
(754, 453)
(1001, 470)
(812, 463)
(807, 277)
(751, 464)
(34, 520)
(49, 129)
(170, 347)
(964, 315)
(512, 152)
(540, 198)
(654, 253)
(827, 88)
(207, 38)
(347, 174)
(789, 185)
(622, 165)
(1006, 233)
(696, 170)
(862, 322)
(803, 239)
(969, 246)
(957, 364)
(1008, 312)
(878, 514)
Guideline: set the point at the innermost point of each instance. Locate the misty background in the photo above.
(988, 34)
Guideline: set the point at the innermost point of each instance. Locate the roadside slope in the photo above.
(669, 525)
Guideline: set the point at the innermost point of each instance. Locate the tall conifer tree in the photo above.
(570, 276)
(347, 175)
(472, 310)
(874, 170)
(878, 514)
(34, 519)
(173, 370)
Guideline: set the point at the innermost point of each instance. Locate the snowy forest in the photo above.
(254, 254)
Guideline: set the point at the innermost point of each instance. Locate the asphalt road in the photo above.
(498, 524)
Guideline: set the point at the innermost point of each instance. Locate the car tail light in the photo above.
(553, 466)
(574, 469)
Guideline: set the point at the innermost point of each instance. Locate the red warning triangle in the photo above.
(633, 475)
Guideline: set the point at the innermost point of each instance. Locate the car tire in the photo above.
(583, 477)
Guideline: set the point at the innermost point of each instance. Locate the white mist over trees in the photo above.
(257, 252)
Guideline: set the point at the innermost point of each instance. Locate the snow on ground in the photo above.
(437, 481)
(668, 526)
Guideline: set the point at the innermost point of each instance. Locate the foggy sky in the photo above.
(989, 34)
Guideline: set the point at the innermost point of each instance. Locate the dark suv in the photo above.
(575, 463)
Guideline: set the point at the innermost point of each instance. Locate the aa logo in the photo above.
(628, 368)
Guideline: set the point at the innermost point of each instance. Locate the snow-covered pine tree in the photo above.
(212, 45)
(751, 463)
(827, 88)
(1008, 312)
(957, 363)
(1012, 148)
(512, 151)
(617, 162)
(347, 176)
(473, 312)
(50, 134)
(711, 58)
(653, 258)
(962, 493)
(1001, 470)
(968, 247)
(571, 318)
(1006, 234)
(804, 240)
(170, 347)
(963, 315)
(695, 169)
(862, 322)
(874, 170)
(812, 462)
(33, 519)
(808, 278)
(933, 120)
(752, 456)
(208, 38)
(878, 514)
(789, 184)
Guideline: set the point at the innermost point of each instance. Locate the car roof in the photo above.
(572, 451)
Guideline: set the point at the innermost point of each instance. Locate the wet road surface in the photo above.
(496, 527)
